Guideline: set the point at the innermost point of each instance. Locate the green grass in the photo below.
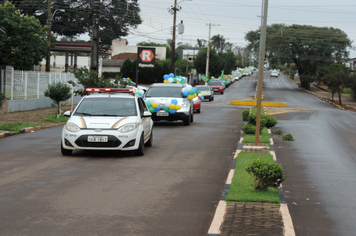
(254, 110)
(16, 126)
(264, 137)
(241, 189)
(54, 119)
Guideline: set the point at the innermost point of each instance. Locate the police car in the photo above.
(109, 119)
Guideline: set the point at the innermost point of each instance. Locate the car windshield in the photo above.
(171, 92)
(203, 88)
(107, 107)
(215, 83)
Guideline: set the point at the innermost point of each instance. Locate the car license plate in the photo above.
(216, 89)
(162, 114)
(98, 139)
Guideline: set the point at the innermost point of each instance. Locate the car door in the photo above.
(145, 121)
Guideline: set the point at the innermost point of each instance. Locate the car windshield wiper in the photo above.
(83, 113)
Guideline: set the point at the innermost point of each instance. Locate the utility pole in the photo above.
(208, 53)
(174, 10)
(94, 60)
(260, 71)
(48, 55)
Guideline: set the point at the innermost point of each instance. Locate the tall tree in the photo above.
(201, 43)
(309, 47)
(24, 43)
(116, 16)
(218, 43)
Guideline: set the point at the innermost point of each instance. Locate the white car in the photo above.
(108, 121)
(163, 93)
(274, 73)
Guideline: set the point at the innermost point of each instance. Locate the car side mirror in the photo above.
(147, 114)
(67, 113)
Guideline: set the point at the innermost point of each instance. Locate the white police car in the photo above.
(108, 121)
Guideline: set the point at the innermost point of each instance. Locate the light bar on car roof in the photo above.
(106, 90)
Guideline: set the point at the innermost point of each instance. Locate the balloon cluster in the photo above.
(189, 92)
(201, 95)
(170, 106)
(139, 92)
(173, 79)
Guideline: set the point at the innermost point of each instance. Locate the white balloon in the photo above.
(188, 87)
(166, 104)
(170, 80)
(151, 100)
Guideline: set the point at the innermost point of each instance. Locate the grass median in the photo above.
(264, 137)
(15, 127)
(241, 188)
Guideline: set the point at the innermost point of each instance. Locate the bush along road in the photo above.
(252, 201)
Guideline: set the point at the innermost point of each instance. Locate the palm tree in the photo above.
(218, 42)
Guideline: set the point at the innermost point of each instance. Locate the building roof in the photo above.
(112, 62)
(124, 56)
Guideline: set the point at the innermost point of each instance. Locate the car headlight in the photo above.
(71, 127)
(127, 127)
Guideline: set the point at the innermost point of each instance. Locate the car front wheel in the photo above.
(141, 148)
(66, 152)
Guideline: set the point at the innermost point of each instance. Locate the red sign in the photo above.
(147, 55)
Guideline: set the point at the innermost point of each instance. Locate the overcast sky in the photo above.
(234, 18)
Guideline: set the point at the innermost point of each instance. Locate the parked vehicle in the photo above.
(217, 86)
(209, 93)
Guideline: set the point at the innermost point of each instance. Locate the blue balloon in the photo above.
(172, 111)
(166, 76)
(202, 98)
(186, 93)
(194, 88)
(157, 108)
(175, 101)
(171, 75)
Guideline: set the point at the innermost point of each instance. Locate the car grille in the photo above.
(82, 141)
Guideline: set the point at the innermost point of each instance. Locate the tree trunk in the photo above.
(59, 109)
(305, 84)
(339, 98)
(332, 96)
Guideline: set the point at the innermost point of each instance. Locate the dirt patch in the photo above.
(33, 116)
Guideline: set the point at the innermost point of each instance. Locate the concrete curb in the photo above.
(28, 129)
(215, 227)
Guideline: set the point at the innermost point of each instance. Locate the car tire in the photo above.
(141, 148)
(212, 99)
(198, 111)
(186, 121)
(150, 141)
(66, 152)
(222, 92)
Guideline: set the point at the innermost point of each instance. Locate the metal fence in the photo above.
(19, 85)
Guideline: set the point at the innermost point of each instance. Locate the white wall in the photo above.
(160, 51)
(60, 61)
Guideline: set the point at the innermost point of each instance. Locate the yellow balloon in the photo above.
(204, 94)
(195, 95)
(128, 78)
(155, 105)
(165, 81)
(172, 106)
(190, 97)
(178, 107)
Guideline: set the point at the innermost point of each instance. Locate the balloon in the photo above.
(189, 87)
(155, 104)
(190, 97)
(204, 94)
(185, 93)
(175, 101)
(182, 81)
(178, 107)
(195, 89)
(165, 76)
(165, 81)
(172, 106)
(139, 93)
(148, 104)
(166, 109)
(171, 75)
(157, 108)
(170, 80)
(166, 104)
(128, 79)
(174, 80)
(152, 100)
(191, 92)
(151, 109)
(195, 95)
(172, 111)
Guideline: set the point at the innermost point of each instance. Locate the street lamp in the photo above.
(173, 10)
(49, 23)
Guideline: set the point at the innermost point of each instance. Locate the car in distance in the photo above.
(163, 93)
(274, 73)
(209, 93)
(108, 121)
(217, 86)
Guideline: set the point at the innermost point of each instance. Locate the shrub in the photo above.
(58, 92)
(2, 100)
(245, 114)
(288, 137)
(266, 174)
(271, 122)
(278, 132)
(249, 129)
(263, 121)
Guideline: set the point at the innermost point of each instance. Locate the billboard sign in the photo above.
(146, 57)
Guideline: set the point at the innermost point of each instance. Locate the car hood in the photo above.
(101, 122)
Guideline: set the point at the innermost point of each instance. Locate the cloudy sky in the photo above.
(234, 18)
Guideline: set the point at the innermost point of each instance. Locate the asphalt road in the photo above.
(320, 165)
(172, 190)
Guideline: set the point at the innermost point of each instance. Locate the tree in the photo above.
(309, 47)
(201, 43)
(24, 43)
(183, 66)
(215, 62)
(116, 16)
(218, 43)
(58, 92)
(336, 77)
(229, 62)
(128, 69)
